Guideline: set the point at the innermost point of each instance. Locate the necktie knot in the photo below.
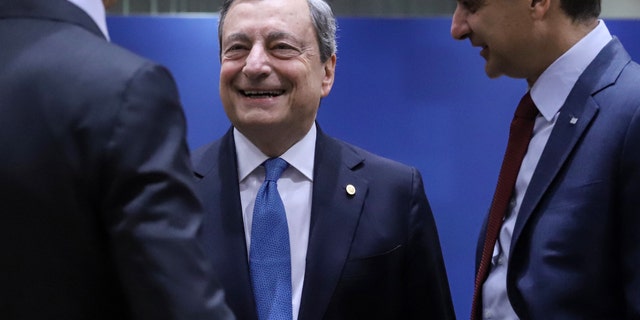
(274, 168)
(526, 108)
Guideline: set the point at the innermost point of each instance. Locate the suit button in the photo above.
(351, 190)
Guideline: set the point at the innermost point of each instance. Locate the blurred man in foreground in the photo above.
(98, 217)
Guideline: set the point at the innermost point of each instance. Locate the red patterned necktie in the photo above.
(519, 137)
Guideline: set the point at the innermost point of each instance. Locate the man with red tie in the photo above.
(561, 240)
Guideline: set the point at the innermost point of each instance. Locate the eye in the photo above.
(282, 46)
(236, 47)
(235, 50)
(284, 50)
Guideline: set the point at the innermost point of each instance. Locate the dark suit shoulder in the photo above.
(621, 99)
(73, 83)
(372, 161)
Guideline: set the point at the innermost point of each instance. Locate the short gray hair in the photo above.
(322, 18)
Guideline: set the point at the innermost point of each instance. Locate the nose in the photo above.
(459, 27)
(256, 63)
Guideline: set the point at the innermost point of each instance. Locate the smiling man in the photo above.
(351, 235)
(561, 240)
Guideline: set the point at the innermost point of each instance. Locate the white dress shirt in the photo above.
(549, 93)
(295, 187)
(95, 10)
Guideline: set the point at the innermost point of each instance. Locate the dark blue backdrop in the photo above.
(404, 89)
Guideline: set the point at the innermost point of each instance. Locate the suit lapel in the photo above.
(334, 219)
(561, 143)
(221, 198)
(576, 114)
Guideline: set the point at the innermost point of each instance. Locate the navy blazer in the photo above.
(575, 250)
(374, 255)
(98, 216)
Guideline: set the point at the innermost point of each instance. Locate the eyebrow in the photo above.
(238, 37)
(276, 35)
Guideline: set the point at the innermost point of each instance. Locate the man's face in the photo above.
(503, 31)
(271, 76)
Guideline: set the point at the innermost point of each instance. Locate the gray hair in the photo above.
(324, 23)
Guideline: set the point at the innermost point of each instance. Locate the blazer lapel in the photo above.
(578, 112)
(561, 143)
(224, 226)
(334, 219)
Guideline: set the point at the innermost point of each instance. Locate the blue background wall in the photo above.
(404, 89)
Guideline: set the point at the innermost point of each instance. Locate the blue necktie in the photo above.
(270, 257)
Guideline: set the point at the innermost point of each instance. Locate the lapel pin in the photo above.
(351, 190)
(573, 120)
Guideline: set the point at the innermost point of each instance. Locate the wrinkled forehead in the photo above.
(297, 6)
(290, 8)
(283, 15)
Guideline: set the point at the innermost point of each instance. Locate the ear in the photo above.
(108, 3)
(329, 75)
(540, 8)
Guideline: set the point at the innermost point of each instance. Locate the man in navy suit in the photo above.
(569, 246)
(363, 240)
(98, 216)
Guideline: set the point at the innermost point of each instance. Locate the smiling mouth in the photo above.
(261, 93)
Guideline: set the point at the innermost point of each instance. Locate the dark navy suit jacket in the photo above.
(98, 217)
(575, 250)
(374, 255)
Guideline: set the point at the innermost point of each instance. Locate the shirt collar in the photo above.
(300, 156)
(551, 90)
(95, 10)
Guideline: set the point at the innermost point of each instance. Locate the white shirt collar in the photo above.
(95, 10)
(300, 156)
(551, 90)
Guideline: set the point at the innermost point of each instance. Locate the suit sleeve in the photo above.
(429, 295)
(630, 217)
(150, 209)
